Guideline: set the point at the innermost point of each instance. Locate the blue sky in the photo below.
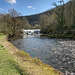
(27, 7)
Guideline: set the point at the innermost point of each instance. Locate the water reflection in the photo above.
(58, 53)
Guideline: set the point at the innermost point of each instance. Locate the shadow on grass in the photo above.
(18, 68)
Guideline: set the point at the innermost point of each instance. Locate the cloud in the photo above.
(30, 7)
(11, 1)
(1, 9)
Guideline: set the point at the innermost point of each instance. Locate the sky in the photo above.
(27, 7)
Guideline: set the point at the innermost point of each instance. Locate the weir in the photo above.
(31, 31)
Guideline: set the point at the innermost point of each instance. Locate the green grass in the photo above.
(7, 65)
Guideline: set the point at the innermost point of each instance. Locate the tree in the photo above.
(25, 23)
(13, 22)
(2, 24)
(44, 22)
(59, 11)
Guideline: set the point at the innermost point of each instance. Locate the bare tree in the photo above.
(59, 11)
(13, 22)
(2, 24)
(72, 12)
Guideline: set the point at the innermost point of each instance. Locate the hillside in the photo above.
(35, 19)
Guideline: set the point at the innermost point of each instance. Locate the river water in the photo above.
(59, 53)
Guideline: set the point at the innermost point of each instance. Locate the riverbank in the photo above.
(31, 66)
(58, 36)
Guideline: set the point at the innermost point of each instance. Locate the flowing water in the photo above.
(59, 53)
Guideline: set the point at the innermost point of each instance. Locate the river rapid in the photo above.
(59, 53)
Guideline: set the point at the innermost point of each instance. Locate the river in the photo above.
(59, 53)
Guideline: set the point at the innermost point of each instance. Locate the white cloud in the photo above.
(11, 1)
(1, 9)
(30, 7)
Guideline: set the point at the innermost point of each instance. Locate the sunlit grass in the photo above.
(7, 65)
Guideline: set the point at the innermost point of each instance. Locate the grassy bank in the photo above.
(23, 63)
(7, 64)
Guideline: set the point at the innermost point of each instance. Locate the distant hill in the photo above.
(35, 19)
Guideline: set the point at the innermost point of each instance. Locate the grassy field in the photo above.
(7, 65)
(18, 62)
